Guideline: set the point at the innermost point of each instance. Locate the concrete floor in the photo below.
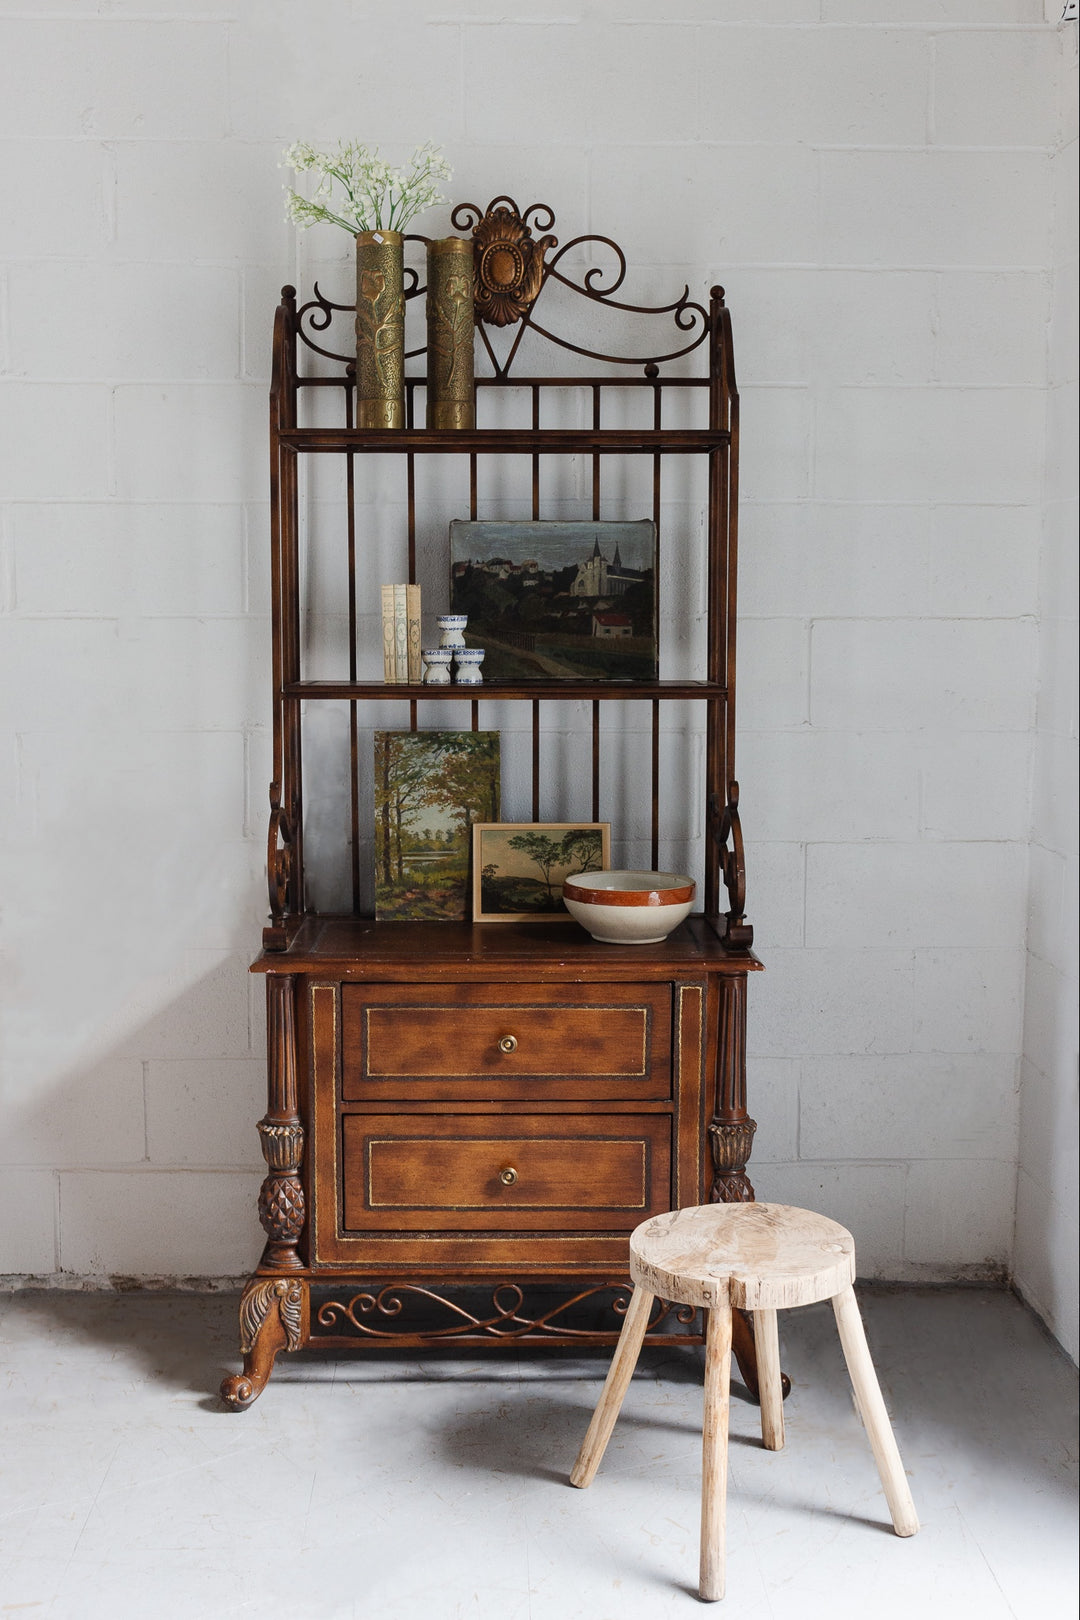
(434, 1488)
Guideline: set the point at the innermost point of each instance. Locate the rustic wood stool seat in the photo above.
(762, 1258)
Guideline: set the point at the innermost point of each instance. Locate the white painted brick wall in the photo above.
(877, 187)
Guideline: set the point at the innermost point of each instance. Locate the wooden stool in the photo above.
(761, 1258)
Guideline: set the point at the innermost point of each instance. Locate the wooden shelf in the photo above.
(506, 441)
(501, 691)
(363, 948)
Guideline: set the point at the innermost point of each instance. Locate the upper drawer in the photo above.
(488, 1040)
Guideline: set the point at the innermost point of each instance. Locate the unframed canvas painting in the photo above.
(558, 601)
(430, 787)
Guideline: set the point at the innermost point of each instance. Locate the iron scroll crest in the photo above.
(512, 268)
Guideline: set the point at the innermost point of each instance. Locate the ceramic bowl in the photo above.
(629, 908)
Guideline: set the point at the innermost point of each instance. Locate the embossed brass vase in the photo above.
(450, 396)
(380, 330)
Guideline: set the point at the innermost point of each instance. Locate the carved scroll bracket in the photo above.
(279, 856)
(739, 933)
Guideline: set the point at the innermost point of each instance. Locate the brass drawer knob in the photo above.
(508, 1176)
(508, 1043)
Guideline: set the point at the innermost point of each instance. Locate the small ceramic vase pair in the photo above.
(467, 661)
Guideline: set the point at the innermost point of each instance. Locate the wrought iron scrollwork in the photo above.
(508, 1319)
(512, 268)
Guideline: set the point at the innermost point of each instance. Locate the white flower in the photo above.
(370, 194)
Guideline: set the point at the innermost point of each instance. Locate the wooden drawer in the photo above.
(506, 1041)
(499, 1172)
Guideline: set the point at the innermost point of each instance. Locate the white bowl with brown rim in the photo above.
(629, 908)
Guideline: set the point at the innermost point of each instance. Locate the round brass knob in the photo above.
(508, 1043)
(508, 1176)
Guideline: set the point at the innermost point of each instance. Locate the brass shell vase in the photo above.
(380, 330)
(450, 394)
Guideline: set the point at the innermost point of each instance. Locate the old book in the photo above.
(389, 671)
(401, 633)
(412, 605)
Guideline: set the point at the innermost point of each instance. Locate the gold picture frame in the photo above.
(519, 866)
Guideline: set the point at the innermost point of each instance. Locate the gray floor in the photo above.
(435, 1488)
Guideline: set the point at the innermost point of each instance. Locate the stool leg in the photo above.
(714, 1452)
(770, 1394)
(872, 1410)
(611, 1396)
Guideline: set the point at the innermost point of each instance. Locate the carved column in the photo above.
(281, 1198)
(731, 1130)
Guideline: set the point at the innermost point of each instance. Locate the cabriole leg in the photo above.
(273, 1317)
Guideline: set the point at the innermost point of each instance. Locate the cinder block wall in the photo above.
(873, 186)
(1047, 1245)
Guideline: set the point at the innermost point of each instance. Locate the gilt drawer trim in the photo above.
(554, 1040)
(593, 1013)
(509, 1144)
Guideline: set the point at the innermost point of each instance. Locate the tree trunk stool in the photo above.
(762, 1258)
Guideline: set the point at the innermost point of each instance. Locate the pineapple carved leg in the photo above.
(273, 1317)
(274, 1310)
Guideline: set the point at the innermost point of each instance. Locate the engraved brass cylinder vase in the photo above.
(450, 394)
(380, 330)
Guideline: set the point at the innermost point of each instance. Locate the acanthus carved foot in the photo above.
(731, 1146)
(273, 1317)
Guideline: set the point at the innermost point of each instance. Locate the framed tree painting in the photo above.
(558, 601)
(430, 788)
(519, 866)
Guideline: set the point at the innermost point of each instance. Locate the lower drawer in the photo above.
(515, 1173)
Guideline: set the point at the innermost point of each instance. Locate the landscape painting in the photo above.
(558, 601)
(430, 788)
(519, 867)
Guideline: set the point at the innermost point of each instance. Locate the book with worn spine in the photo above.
(389, 669)
(412, 605)
(401, 633)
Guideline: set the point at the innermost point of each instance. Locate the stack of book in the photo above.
(401, 634)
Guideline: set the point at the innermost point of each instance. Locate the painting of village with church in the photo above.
(558, 601)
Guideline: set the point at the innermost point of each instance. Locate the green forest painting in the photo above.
(519, 867)
(430, 787)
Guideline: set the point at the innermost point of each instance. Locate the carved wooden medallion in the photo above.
(509, 266)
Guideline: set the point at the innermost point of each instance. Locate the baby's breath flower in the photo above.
(370, 195)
